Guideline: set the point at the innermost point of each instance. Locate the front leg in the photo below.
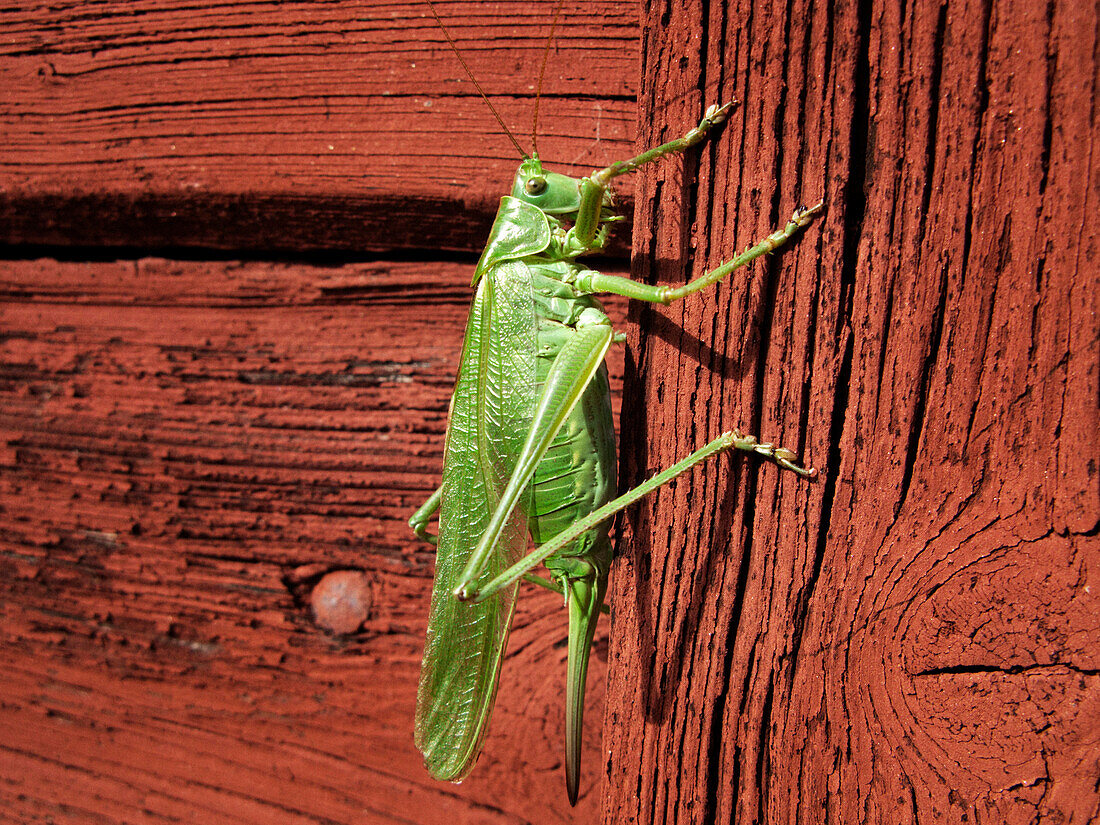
(594, 186)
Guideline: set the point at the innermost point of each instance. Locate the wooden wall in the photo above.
(239, 238)
(240, 241)
(916, 637)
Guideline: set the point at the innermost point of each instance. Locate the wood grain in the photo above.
(187, 448)
(914, 638)
(294, 125)
(212, 396)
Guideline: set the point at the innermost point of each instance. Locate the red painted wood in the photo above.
(293, 125)
(914, 638)
(192, 451)
(186, 450)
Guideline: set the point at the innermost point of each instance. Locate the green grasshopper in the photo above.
(530, 447)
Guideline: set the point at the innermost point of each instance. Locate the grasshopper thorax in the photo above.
(551, 192)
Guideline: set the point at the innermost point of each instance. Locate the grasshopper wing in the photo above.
(491, 413)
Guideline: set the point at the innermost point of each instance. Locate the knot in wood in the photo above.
(341, 601)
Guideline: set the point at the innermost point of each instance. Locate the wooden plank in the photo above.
(915, 637)
(187, 449)
(293, 125)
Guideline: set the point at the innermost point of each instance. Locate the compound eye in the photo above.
(535, 186)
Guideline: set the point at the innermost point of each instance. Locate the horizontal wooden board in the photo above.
(293, 125)
(186, 450)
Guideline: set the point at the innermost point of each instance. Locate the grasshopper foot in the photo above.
(716, 114)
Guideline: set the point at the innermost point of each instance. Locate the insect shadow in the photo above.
(660, 693)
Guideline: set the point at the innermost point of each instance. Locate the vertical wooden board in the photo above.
(914, 637)
(187, 449)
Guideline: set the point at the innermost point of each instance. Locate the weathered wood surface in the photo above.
(187, 448)
(915, 638)
(292, 125)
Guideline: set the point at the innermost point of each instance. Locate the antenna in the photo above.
(542, 74)
(477, 85)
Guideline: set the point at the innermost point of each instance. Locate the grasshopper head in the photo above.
(553, 193)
